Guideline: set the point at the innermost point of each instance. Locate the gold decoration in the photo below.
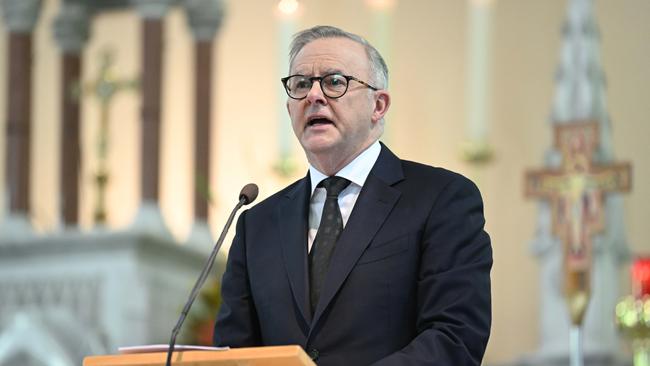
(477, 152)
(633, 320)
(104, 88)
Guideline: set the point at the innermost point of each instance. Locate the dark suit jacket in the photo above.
(408, 283)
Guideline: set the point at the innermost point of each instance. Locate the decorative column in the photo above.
(70, 33)
(20, 17)
(204, 18)
(149, 218)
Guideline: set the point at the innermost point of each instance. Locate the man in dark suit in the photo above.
(369, 259)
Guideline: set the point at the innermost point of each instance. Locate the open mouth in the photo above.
(319, 121)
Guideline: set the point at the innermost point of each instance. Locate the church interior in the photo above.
(480, 87)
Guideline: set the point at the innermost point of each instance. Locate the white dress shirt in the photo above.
(356, 172)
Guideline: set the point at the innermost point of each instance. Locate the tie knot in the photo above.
(334, 185)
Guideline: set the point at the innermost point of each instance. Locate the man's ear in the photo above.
(382, 103)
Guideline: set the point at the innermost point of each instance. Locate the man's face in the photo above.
(336, 128)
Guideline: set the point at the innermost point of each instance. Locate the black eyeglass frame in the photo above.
(320, 83)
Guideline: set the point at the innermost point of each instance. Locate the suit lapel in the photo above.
(375, 202)
(292, 216)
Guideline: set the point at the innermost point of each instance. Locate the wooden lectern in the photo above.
(256, 356)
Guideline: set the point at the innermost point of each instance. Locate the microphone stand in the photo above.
(243, 200)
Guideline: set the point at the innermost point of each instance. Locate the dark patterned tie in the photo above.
(331, 225)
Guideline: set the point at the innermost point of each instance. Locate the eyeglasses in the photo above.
(333, 85)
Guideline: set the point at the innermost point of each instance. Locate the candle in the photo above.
(382, 29)
(478, 64)
(287, 12)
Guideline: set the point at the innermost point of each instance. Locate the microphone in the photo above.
(247, 195)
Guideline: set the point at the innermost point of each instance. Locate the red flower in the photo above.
(204, 332)
(641, 276)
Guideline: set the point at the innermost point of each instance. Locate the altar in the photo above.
(76, 294)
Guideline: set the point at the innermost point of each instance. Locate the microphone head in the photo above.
(249, 193)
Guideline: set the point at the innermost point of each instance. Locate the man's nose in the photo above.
(315, 94)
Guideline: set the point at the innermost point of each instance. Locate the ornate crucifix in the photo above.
(576, 192)
(104, 89)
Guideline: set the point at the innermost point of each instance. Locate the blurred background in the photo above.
(474, 88)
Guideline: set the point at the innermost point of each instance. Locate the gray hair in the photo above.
(378, 66)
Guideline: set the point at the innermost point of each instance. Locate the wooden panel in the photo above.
(19, 124)
(152, 48)
(257, 356)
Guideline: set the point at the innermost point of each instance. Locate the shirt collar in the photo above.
(356, 171)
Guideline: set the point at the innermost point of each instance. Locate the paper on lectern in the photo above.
(164, 347)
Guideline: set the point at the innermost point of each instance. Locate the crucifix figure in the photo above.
(104, 89)
(576, 192)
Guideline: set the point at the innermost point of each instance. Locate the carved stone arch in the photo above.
(46, 338)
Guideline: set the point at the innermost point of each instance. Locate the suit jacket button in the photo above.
(313, 354)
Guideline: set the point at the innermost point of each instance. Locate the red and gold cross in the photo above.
(576, 192)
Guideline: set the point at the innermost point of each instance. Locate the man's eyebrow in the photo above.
(332, 71)
(325, 72)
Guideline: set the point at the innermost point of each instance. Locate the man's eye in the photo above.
(303, 84)
(335, 80)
